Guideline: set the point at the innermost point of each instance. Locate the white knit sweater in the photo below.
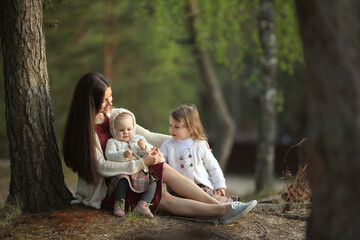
(196, 162)
(115, 149)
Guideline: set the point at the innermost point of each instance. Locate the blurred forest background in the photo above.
(143, 47)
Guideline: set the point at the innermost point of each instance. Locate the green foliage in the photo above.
(289, 46)
(153, 69)
(148, 63)
(166, 25)
(228, 30)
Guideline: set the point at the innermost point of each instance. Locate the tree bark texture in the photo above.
(265, 153)
(37, 180)
(330, 31)
(226, 125)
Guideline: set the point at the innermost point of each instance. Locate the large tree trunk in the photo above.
(330, 33)
(265, 154)
(225, 123)
(37, 181)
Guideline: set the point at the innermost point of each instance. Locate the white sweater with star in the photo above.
(195, 161)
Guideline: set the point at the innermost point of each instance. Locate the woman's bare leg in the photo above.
(185, 187)
(190, 208)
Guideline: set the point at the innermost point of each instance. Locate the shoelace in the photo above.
(235, 204)
(121, 204)
(147, 205)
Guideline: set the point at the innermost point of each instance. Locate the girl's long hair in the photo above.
(188, 116)
(79, 142)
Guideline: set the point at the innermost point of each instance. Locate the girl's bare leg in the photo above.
(185, 187)
(190, 208)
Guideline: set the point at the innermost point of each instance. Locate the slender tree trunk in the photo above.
(265, 154)
(37, 181)
(111, 36)
(226, 124)
(330, 34)
(235, 96)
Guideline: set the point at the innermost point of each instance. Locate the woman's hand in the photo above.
(220, 191)
(152, 157)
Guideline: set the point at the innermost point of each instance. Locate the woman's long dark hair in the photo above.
(79, 137)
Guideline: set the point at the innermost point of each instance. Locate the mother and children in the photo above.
(119, 163)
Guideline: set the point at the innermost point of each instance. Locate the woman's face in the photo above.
(107, 101)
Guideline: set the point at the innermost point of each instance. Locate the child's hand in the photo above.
(141, 144)
(208, 146)
(128, 153)
(220, 191)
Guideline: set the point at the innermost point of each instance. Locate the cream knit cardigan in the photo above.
(91, 195)
(195, 162)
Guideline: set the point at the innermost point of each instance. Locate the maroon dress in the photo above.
(103, 132)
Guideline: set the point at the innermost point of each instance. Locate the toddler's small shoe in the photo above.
(119, 208)
(143, 208)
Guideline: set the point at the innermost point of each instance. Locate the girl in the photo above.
(86, 133)
(188, 153)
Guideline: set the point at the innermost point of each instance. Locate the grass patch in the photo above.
(133, 216)
(9, 212)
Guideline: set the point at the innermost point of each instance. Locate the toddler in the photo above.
(125, 146)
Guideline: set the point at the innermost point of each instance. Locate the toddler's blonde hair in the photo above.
(188, 116)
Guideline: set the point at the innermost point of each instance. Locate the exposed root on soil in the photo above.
(298, 186)
(296, 211)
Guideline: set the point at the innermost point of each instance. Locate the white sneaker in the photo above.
(237, 209)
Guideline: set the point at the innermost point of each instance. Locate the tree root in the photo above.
(282, 210)
(282, 207)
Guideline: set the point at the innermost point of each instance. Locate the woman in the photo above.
(85, 137)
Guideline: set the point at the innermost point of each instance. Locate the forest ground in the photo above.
(270, 219)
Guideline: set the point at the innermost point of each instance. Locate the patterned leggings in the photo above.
(123, 187)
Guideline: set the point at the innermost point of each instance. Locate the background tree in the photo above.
(228, 30)
(226, 126)
(111, 35)
(330, 35)
(265, 153)
(153, 71)
(37, 181)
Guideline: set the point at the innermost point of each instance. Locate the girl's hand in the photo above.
(220, 191)
(208, 146)
(152, 157)
(141, 144)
